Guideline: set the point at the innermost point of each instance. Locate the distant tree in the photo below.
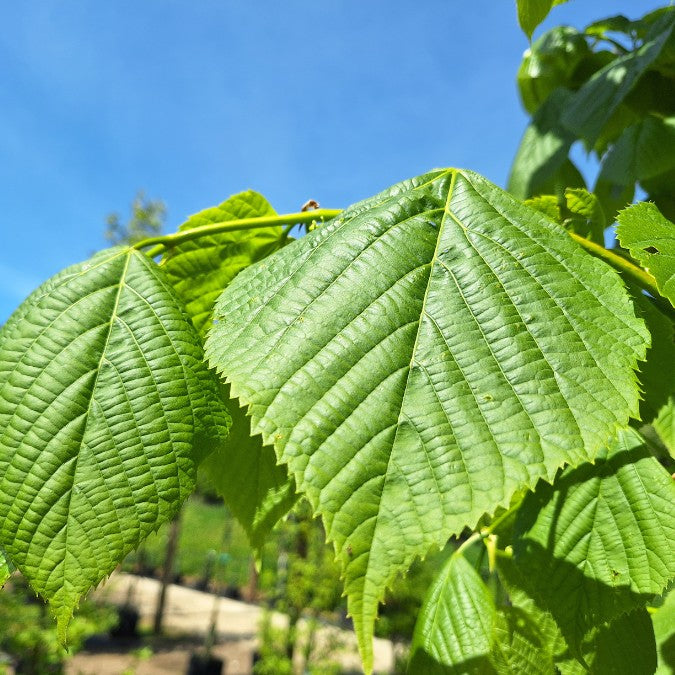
(147, 219)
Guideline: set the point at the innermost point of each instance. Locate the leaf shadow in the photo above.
(570, 592)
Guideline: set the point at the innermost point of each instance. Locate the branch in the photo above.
(168, 241)
(636, 274)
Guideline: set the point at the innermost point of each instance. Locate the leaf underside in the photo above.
(599, 542)
(419, 359)
(246, 475)
(244, 472)
(106, 408)
(200, 269)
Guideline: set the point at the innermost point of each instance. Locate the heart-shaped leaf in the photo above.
(419, 359)
(106, 408)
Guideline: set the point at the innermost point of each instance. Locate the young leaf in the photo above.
(587, 217)
(664, 632)
(546, 204)
(532, 12)
(598, 542)
(541, 165)
(106, 408)
(200, 269)
(245, 473)
(422, 357)
(550, 63)
(650, 238)
(454, 629)
(592, 106)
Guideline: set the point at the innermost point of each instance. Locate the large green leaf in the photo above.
(541, 165)
(106, 408)
(245, 473)
(650, 238)
(455, 627)
(599, 542)
(419, 359)
(201, 268)
(593, 105)
(664, 632)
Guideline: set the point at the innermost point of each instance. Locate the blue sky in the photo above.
(193, 101)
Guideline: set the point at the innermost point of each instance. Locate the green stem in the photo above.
(155, 251)
(636, 274)
(161, 243)
(168, 241)
(476, 536)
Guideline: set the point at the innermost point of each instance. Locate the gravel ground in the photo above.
(187, 619)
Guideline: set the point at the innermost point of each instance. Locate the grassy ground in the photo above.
(205, 527)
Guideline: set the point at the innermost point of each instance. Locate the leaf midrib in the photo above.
(399, 420)
(113, 317)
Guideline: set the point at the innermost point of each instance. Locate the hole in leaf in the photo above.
(651, 249)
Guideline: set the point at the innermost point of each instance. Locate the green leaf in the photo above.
(550, 63)
(454, 629)
(200, 269)
(650, 238)
(587, 216)
(665, 425)
(625, 646)
(541, 165)
(532, 12)
(519, 646)
(546, 204)
(613, 197)
(657, 373)
(549, 639)
(664, 632)
(643, 151)
(592, 106)
(106, 408)
(598, 543)
(245, 473)
(6, 568)
(422, 357)
(610, 24)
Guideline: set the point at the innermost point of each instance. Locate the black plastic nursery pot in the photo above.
(200, 664)
(127, 623)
